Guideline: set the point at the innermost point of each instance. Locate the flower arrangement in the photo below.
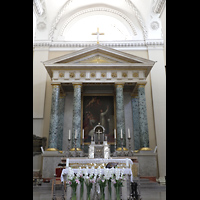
(89, 180)
(118, 179)
(73, 181)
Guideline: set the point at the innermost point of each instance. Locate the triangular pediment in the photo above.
(98, 56)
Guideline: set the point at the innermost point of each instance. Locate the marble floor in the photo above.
(149, 191)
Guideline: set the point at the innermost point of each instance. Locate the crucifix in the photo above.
(97, 33)
(99, 132)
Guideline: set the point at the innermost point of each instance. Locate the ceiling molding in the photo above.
(62, 11)
(99, 9)
(38, 7)
(159, 6)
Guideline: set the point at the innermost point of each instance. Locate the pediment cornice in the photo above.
(107, 59)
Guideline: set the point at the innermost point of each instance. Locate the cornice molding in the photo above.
(129, 45)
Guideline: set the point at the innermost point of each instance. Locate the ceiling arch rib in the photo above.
(62, 11)
(99, 10)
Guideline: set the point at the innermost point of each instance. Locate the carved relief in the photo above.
(135, 74)
(72, 75)
(114, 74)
(82, 75)
(103, 74)
(124, 74)
(61, 75)
(154, 25)
(92, 75)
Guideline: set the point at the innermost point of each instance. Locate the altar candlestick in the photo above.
(83, 134)
(69, 134)
(121, 134)
(129, 135)
(114, 133)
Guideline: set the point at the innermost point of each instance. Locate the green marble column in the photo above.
(143, 123)
(61, 120)
(136, 133)
(77, 114)
(120, 114)
(54, 118)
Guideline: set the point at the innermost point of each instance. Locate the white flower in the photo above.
(99, 171)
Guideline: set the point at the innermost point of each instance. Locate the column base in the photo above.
(119, 149)
(77, 149)
(52, 149)
(145, 149)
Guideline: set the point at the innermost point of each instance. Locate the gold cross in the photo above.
(97, 33)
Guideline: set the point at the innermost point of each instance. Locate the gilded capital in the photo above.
(55, 85)
(77, 85)
(141, 84)
(118, 85)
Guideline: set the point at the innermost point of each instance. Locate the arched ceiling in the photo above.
(73, 20)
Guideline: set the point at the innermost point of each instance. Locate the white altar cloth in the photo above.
(64, 171)
(100, 160)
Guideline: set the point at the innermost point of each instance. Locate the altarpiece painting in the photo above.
(98, 109)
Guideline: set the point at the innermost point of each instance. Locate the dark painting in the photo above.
(98, 109)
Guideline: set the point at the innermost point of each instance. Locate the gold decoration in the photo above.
(114, 74)
(145, 149)
(93, 75)
(103, 75)
(124, 74)
(61, 75)
(119, 149)
(135, 74)
(82, 74)
(52, 149)
(77, 149)
(72, 75)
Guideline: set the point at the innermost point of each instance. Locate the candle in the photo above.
(129, 135)
(121, 134)
(115, 133)
(69, 134)
(75, 134)
(67, 162)
(83, 134)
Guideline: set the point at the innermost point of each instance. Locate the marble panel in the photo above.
(77, 115)
(136, 132)
(54, 118)
(60, 122)
(143, 124)
(120, 115)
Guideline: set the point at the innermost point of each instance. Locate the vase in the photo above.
(118, 195)
(102, 193)
(73, 193)
(82, 188)
(88, 193)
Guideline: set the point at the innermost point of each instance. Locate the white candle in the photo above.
(67, 162)
(83, 134)
(115, 133)
(129, 135)
(69, 134)
(75, 134)
(121, 134)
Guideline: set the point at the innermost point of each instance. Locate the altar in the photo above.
(101, 167)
